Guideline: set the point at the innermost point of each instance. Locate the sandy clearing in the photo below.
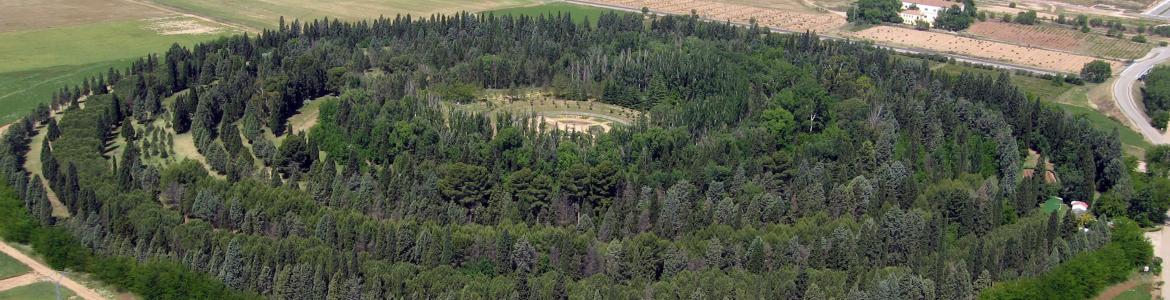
(44, 271)
(19, 281)
(576, 123)
(1161, 241)
(181, 25)
(185, 148)
(947, 43)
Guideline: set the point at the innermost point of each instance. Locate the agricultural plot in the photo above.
(19, 15)
(265, 13)
(47, 44)
(1063, 39)
(947, 43)
(87, 44)
(786, 19)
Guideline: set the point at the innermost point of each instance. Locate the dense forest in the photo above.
(770, 166)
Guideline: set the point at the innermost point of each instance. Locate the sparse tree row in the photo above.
(766, 166)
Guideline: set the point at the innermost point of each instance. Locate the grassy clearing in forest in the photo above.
(9, 267)
(40, 290)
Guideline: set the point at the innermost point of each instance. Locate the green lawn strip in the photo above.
(40, 290)
(10, 267)
(1128, 136)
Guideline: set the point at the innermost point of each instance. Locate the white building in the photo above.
(926, 10)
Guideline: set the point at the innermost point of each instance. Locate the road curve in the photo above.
(1123, 93)
(46, 272)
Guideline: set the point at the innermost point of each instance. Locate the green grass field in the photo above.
(35, 64)
(266, 13)
(21, 91)
(1128, 137)
(1039, 87)
(86, 44)
(579, 12)
(40, 290)
(9, 267)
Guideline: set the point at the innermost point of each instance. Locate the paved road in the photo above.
(1123, 93)
(44, 271)
(899, 49)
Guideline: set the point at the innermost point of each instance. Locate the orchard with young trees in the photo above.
(772, 166)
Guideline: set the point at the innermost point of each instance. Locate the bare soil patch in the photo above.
(173, 25)
(786, 18)
(948, 43)
(16, 15)
(577, 123)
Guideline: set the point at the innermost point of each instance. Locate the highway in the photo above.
(1123, 93)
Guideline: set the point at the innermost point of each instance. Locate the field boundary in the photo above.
(895, 48)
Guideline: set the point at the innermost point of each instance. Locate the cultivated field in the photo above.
(799, 20)
(265, 13)
(1059, 38)
(86, 44)
(19, 15)
(948, 43)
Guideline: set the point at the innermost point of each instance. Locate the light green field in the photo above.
(40, 290)
(266, 13)
(1069, 97)
(579, 12)
(86, 44)
(1029, 85)
(35, 64)
(9, 267)
(1131, 139)
(21, 91)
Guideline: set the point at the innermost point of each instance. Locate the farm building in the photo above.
(926, 10)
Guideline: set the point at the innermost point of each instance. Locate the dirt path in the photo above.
(1161, 241)
(19, 281)
(1117, 289)
(44, 271)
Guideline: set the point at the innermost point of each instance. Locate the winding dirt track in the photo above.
(44, 271)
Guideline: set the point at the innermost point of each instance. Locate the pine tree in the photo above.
(232, 270)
